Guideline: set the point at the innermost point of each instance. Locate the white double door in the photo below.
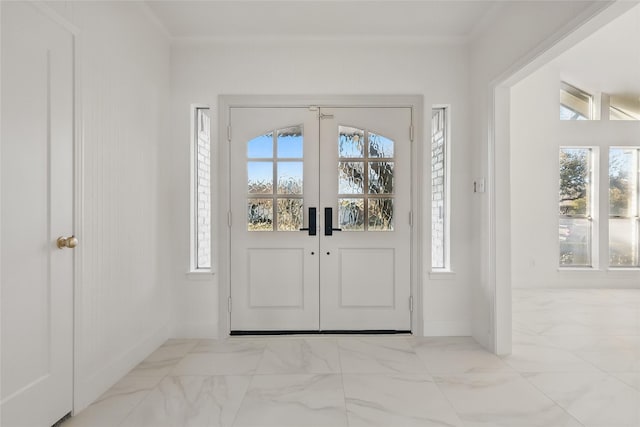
(321, 219)
(37, 207)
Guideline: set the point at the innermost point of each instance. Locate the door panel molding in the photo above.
(314, 103)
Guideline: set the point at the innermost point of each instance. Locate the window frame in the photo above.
(446, 217)
(580, 95)
(194, 269)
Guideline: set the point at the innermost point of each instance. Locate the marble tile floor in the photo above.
(575, 362)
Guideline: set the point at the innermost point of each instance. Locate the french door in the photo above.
(321, 219)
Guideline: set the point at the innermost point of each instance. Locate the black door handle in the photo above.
(328, 222)
(312, 223)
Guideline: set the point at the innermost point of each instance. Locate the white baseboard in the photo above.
(202, 330)
(447, 328)
(87, 390)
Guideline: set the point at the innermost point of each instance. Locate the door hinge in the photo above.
(229, 133)
(229, 304)
(410, 219)
(229, 218)
(411, 133)
(325, 116)
(410, 304)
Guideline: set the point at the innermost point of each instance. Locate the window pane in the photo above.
(379, 146)
(289, 177)
(624, 107)
(351, 177)
(623, 242)
(575, 177)
(351, 214)
(623, 182)
(380, 177)
(261, 147)
(203, 190)
(574, 204)
(290, 214)
(575, 104)
(575, 242)
(260, 215)
(438, 189)
(380, 214)
(623, 207)
(260, 177)
(290, 143)
(350, 142)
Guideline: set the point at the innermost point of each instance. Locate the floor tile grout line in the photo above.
(552, 399)
(344, 393)
(145, 397)
(162, 378)
(453, 408)
(244, 396)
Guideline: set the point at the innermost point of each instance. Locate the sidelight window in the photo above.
(201, 190)
(439, 190)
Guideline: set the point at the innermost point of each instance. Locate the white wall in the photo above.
(521, 31)
(202, 72)
(536, 136)
(122, 307)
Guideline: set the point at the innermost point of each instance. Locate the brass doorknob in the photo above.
(67, 242)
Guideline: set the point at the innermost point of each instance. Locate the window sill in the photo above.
(442, 275)
(577, 269)
(200, 275)
(624, 270)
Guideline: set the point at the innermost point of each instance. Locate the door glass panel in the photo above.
(260, 214)
(381, 178)
(261, 147)
(289, 214)
(260, 177)
(351, 177)
(351, 214)
(380, 146)
(375, 172)
(262, 197)
(290, 143)
(380, 214)
(350, 142)
(289, 177)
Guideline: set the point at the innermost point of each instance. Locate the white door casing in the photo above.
(356, 279)
(37, 208)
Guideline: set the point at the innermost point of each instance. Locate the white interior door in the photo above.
(37, 207)
(320, 169)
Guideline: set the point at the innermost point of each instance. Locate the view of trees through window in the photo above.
(574, 207)
(623, 207)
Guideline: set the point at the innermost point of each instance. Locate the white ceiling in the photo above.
(323, 19)
(609, 60)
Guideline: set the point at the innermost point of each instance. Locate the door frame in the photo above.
(220, 216)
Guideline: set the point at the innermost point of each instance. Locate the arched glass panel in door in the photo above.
(275, 180)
